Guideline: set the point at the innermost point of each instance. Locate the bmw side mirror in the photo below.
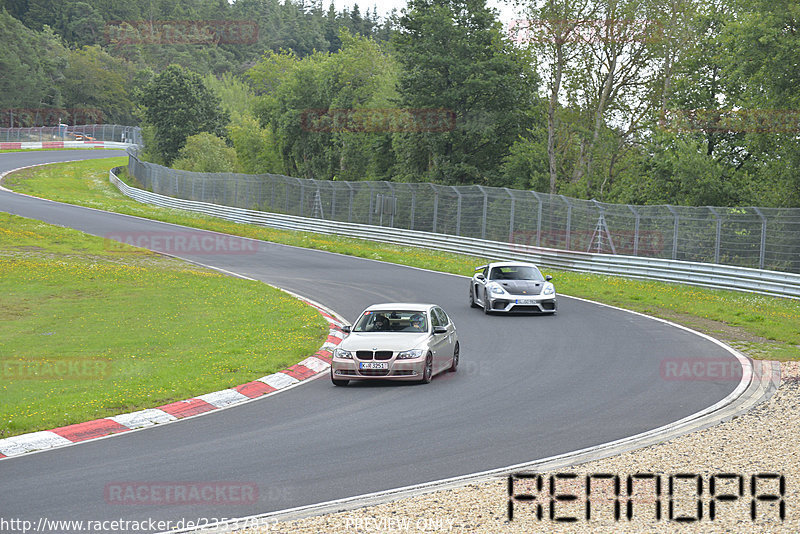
(439, 329)
(346, 329)
(548, 278)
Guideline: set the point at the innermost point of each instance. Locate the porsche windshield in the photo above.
(516, 272)
(392, 321)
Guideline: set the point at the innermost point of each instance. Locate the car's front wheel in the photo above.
(454, 365)
(472, 303)
(427, 372)
(487, 304)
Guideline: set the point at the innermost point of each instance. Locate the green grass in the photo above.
(142, 329)
(763, 327)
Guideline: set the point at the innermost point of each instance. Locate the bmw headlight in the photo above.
(496, 289)
(413, 353)
(548, 290)
(341, 353)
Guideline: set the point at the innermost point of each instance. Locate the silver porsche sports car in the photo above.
(512, 286)
(397, 341)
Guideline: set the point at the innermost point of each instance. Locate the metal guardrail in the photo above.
(128, 135)
(752, 237)
(716, 276)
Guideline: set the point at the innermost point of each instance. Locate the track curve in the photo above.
(527, 388)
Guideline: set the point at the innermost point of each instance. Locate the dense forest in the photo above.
(642, 101)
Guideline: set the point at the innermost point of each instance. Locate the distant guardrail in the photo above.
(88, 133)
(693, 273)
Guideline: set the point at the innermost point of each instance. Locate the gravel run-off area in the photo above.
(764, 441)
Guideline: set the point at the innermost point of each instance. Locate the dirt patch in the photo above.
(11, 311)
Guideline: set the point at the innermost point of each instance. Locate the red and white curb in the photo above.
(62, 144)
(68, 435)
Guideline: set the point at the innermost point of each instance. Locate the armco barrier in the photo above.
(64, 144)
(700, 274)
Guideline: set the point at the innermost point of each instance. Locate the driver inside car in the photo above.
(380, 324)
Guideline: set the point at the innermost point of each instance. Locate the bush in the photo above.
(205, 152)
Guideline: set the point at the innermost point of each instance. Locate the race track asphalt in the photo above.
(528, 387)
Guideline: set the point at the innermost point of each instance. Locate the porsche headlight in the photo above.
(341, 353)
(413, 353)
(548, 290)
(496, 289)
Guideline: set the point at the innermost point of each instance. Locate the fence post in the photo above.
(511, 217)
(635, 230)
(333, 200)
(719, 232)
(569, 220)
(435, 206)
(371, 201)
(394, 204)
(458, 210)
(350, 204)
(485, 211)
(538, 220)
(674, 233)
(763, 249)
(285, 195)
(302, 194)
(413, 204)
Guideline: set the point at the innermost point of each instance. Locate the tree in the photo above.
(604, 64)
(760, 47)
(32, 65)
(257, 150)
(314, 105)
(176, 105)
(455, 59)
(94, 80)
(205, 152)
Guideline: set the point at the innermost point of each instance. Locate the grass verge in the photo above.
(762, 327)
(89, 331)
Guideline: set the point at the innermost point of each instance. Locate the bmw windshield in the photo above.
(392, 321)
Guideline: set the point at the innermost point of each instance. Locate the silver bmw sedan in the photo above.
(397, 341)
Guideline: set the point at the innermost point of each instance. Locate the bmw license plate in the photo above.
(526, 301)
(373, 365)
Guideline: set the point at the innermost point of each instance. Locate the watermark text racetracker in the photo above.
(19, 369)
(769, 121)
(200, 524)
(700, 369)
(183, 32)
(181, 493)
(586, 30)
(180, 242)
(377, 120)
